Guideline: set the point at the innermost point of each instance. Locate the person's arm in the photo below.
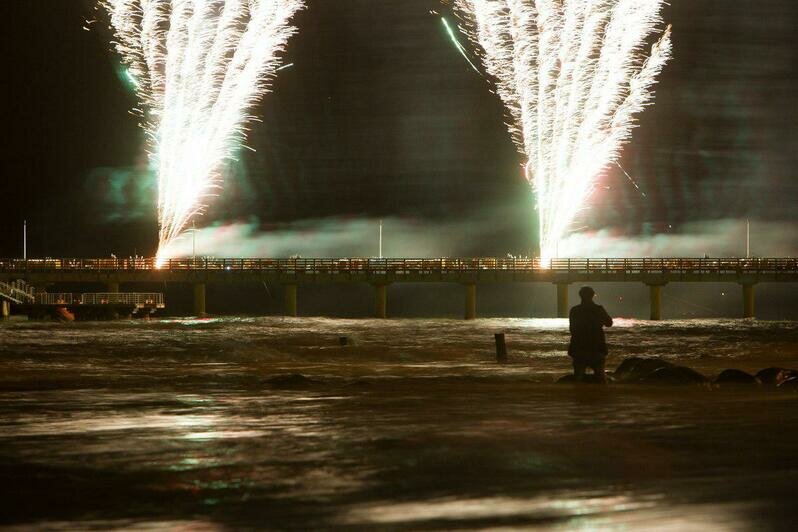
(571, 321)
(606, 320)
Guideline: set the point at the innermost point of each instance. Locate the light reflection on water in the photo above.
(491, 507)
(559, 511)
(183, 422)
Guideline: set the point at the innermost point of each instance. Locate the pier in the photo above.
(93, 306)
(16, 292)
(470, 273)
(69, 306)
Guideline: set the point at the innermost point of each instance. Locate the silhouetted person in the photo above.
(588, 347)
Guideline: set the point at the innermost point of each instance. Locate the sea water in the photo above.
(271, 422)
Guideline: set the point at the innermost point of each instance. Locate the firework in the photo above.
(198, 66)
(572, 74)
(457, 44)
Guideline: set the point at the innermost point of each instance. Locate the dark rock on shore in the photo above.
(627, 365)
(775, 376)
(658, 371)
(789, 384)
(674, 375)
(736, 376)
(635, 369)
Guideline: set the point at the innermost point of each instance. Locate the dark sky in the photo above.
(381, 117)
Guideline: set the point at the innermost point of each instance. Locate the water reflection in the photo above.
(570, 511)
(549, 508)
(267, 422)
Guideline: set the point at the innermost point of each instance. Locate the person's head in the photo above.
(586, 293)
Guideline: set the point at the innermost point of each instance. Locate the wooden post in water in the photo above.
(501, 348)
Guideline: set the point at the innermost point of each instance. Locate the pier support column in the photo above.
(655, 296)
(381, 301)
(748, 301)
(471, 301)
(562, 300)
(112, 287)
(289, 295)
(5, 309)
(199, 300)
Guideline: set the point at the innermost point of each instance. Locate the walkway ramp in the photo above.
(18, 292)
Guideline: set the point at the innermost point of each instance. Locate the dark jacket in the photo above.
(587, 322)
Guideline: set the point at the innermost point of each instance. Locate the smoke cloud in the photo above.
(338, 237)
(359, 237)
(718, 238)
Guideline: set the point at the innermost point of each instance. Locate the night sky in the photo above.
(382, 118)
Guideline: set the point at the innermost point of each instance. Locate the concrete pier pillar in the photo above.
(199, 300)
(381, 301)
(112, 287)
(655, 296)
(562, 300)
(5, 309)
(290, 299)
(748, 301)
(471, 301)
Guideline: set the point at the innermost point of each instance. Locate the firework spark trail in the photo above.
(573, 74)
(198, 66)
(457, 44)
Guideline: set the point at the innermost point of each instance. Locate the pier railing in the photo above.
(410, 265)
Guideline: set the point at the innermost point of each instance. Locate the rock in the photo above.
(290, 380)
(628, 364)
(790, 384)
(635, 369)
(674, 375)
(736, 376)
(775, 376)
